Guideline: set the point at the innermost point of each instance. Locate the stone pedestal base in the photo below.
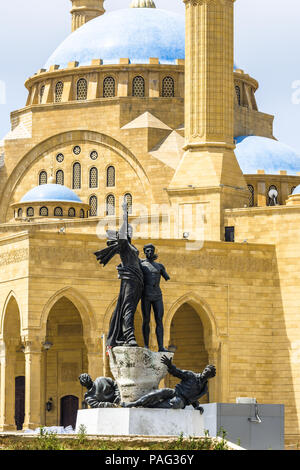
(137, 371)
(141, 422)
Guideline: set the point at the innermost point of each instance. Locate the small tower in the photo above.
(209, 173)
(142, 4)
(84, 11)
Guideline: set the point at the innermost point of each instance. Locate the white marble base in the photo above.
(141, 422)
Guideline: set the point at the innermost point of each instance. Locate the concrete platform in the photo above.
(140, 422)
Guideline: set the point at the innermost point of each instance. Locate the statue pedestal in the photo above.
(137, 371)
(141, 422)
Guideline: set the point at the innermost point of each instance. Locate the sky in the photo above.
(267, 46)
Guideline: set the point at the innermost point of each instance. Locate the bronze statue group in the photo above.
(140, 281)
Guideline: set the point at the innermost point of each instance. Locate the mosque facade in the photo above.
(147, 105)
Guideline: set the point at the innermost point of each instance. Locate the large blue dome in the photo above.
(134, 33)
(260, 153)
(51, 192)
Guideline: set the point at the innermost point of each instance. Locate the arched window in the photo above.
(110, 204)
(93, 177)
(110, 176)
(109, 87)
(81, 213)
(238, 94)
(82, 89)
(20, 212)
(293, 188)
(138, 87)
(71, 212)
(42, 91)
(251, 195)
(272, 201)
(60, 177)
(30, 212)
(128, 199)
(59, 88)
(93, 206)
(168, 87)
(43, 177)
(76, 175)
(58, 212)
(44, 212)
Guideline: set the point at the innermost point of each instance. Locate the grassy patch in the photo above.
(51, 441)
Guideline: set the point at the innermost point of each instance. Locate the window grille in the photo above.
(59, 88)
(43, 177)
(128, 199)
(168, 88)
(77, 150)
(111, 176)
(94, 155)
(60, 158)
(93, 205)
(251, 195)
(238, 94)
(58, 212)
(76, 176)
(138, 87)
(30, 212)
(60, 177)
(20, 213)
(93, 177)
(42, 91)
(71, 212)
(109, 87)
(44, 212)
(110, 205)
(82, 89)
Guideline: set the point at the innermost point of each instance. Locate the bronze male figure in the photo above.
(152, 295)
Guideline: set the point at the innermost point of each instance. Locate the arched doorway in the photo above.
(187, 339)
(68, 411)
(64, 361)
(12, 397)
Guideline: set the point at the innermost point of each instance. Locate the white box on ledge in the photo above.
(141, 422)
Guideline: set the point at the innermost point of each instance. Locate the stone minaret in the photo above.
(209, 170)
(84, 11)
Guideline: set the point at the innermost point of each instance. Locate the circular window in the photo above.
(76, 150)
(60, 158)
(94, 155)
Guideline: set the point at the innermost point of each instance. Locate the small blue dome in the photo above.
(260, 153)
(134, 33)
(296, 190)
(50, 192)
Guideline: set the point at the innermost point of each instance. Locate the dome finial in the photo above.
(142, 4)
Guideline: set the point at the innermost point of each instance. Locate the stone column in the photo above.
(214, 384)
(7, 381)
(33, 384)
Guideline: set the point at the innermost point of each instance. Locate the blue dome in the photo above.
(260, 153)
(50, 192)
(133, 33)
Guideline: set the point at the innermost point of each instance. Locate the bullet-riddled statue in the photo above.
(152, 295)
